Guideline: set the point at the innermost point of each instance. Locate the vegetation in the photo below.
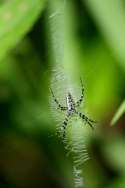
(86, 38)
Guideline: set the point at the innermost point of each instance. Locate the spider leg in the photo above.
(86, 119)
(82, 95)
(65, 122)
(62, 108)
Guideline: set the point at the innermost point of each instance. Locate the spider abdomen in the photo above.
(70, 102)
(71, 109)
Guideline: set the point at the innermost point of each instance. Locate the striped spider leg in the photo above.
(59, 106)
(65, 123)
(62, 108)
(86, 119)
(78, 103)
(81, 115)
(71, 109)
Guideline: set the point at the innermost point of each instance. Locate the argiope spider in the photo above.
(71, 108)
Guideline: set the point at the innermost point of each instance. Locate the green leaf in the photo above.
(115, 153)
(16, 19)
(119, 113)
(110, 17)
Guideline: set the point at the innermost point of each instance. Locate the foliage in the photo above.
(119, 113)
(87, 39)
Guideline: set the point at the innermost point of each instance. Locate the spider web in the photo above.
(61, 85)
(76, 131)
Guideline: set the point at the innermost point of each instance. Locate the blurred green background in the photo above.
(31, 155)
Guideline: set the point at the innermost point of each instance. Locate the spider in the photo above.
(71, 108)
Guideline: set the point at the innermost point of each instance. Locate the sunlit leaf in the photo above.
(110, 17)
(119, 113)
(16, 19)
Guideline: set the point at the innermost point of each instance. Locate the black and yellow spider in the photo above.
(71, 108)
